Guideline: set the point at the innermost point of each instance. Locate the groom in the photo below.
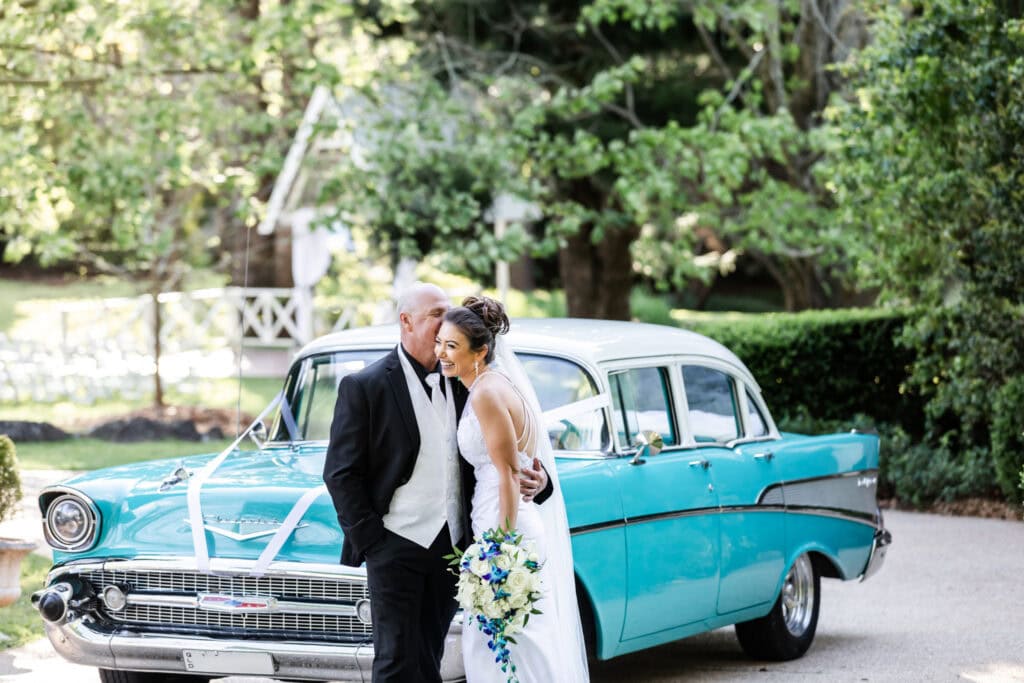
(402, 492)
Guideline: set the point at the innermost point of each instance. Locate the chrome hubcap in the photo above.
(798, 596)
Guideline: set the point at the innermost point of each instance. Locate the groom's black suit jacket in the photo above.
(374, 444)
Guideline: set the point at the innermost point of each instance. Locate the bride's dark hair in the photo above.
(481, 319)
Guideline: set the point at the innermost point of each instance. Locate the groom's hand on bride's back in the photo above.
(534, 484)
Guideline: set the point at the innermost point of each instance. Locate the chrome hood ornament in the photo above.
(245, 528)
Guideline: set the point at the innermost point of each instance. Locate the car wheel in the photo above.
(112, 676)
(787, 631)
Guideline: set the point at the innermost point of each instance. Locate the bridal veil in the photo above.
(573, 661)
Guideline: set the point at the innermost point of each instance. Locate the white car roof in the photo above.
(594, 342)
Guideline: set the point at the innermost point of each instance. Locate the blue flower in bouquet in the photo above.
(499, 585)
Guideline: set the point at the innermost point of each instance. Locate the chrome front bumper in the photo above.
(81, 640)
(77, 642)
(879, 545)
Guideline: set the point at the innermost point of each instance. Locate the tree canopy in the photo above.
(659, 140)
(930, 175)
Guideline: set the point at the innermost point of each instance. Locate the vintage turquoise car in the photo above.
(228, 564)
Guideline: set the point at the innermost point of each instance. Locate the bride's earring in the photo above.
(476, 368)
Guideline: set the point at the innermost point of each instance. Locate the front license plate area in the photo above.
(217, 662)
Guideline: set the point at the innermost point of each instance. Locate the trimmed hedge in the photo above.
(826, 364)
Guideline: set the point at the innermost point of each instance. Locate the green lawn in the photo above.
(21, 622)
(91, 454)
(212, 393)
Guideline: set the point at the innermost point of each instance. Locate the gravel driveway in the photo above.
(948, 605)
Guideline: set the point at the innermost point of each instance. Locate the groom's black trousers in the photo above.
(412, 599)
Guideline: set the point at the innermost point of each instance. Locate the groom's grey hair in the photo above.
(408, 297)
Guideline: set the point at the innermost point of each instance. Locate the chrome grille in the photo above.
(332, 590)
(182, 616)
(342, 590)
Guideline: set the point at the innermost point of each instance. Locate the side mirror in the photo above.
(648, 443)
(258, 434)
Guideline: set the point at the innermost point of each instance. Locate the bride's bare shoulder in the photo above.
(489, 392)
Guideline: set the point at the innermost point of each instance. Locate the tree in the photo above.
(647, 133)
(134, 135)
(929, 174)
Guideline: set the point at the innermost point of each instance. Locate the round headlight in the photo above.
(69, 521)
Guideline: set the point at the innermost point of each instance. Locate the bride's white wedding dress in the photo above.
(535, 650)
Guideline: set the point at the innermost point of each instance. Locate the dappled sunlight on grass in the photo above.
(685, 315)
(21, 621)
(209, 393)
(91, 454)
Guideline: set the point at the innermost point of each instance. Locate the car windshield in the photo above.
(312, 388)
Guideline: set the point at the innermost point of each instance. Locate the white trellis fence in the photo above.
(202, 319)
(94, 349)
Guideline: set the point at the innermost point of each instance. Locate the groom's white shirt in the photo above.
(432, 496)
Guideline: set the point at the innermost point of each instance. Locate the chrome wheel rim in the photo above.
(798, 596)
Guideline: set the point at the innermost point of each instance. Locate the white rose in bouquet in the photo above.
(518, 582)
(480, 567)
(503, 562)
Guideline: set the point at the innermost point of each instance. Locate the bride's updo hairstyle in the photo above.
(481, 319)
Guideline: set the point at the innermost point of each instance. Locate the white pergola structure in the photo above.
(293, 204)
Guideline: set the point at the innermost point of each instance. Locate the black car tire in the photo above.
(112, 676)
(787, 631)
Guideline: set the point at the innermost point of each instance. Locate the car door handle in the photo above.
(700, 463)
(764, 455)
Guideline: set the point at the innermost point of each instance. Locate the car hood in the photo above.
(243, 503)
(245, 500)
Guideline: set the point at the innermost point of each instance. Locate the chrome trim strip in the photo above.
(846, 515)
(77, 642)
(834, 513)
(158, 600)
(222, 566)
(278, 606)
(95, 523)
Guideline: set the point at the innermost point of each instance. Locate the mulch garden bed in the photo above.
(968, 507)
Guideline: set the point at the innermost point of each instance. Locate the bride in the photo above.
(499, 433)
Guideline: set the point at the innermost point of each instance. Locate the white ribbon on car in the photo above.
(556, 415)
(195, 484)
(286, 529)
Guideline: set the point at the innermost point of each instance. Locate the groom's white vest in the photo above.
(432, 496)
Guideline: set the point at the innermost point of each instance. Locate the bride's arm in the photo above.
(491, 408)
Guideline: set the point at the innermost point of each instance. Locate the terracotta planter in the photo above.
(11, 553)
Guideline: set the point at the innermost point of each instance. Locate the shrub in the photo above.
(1008, 436)
(10, 482)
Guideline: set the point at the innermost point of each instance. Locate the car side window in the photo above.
(711, 404)
(558, 383)
(758, 426)
(641, 401)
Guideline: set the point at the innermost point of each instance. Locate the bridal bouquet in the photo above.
(499, 585)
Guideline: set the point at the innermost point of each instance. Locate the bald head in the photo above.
(414, 295)
(420, 310)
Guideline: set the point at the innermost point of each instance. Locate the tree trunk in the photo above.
(799, 279)
(598, 277)
(158, 387)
